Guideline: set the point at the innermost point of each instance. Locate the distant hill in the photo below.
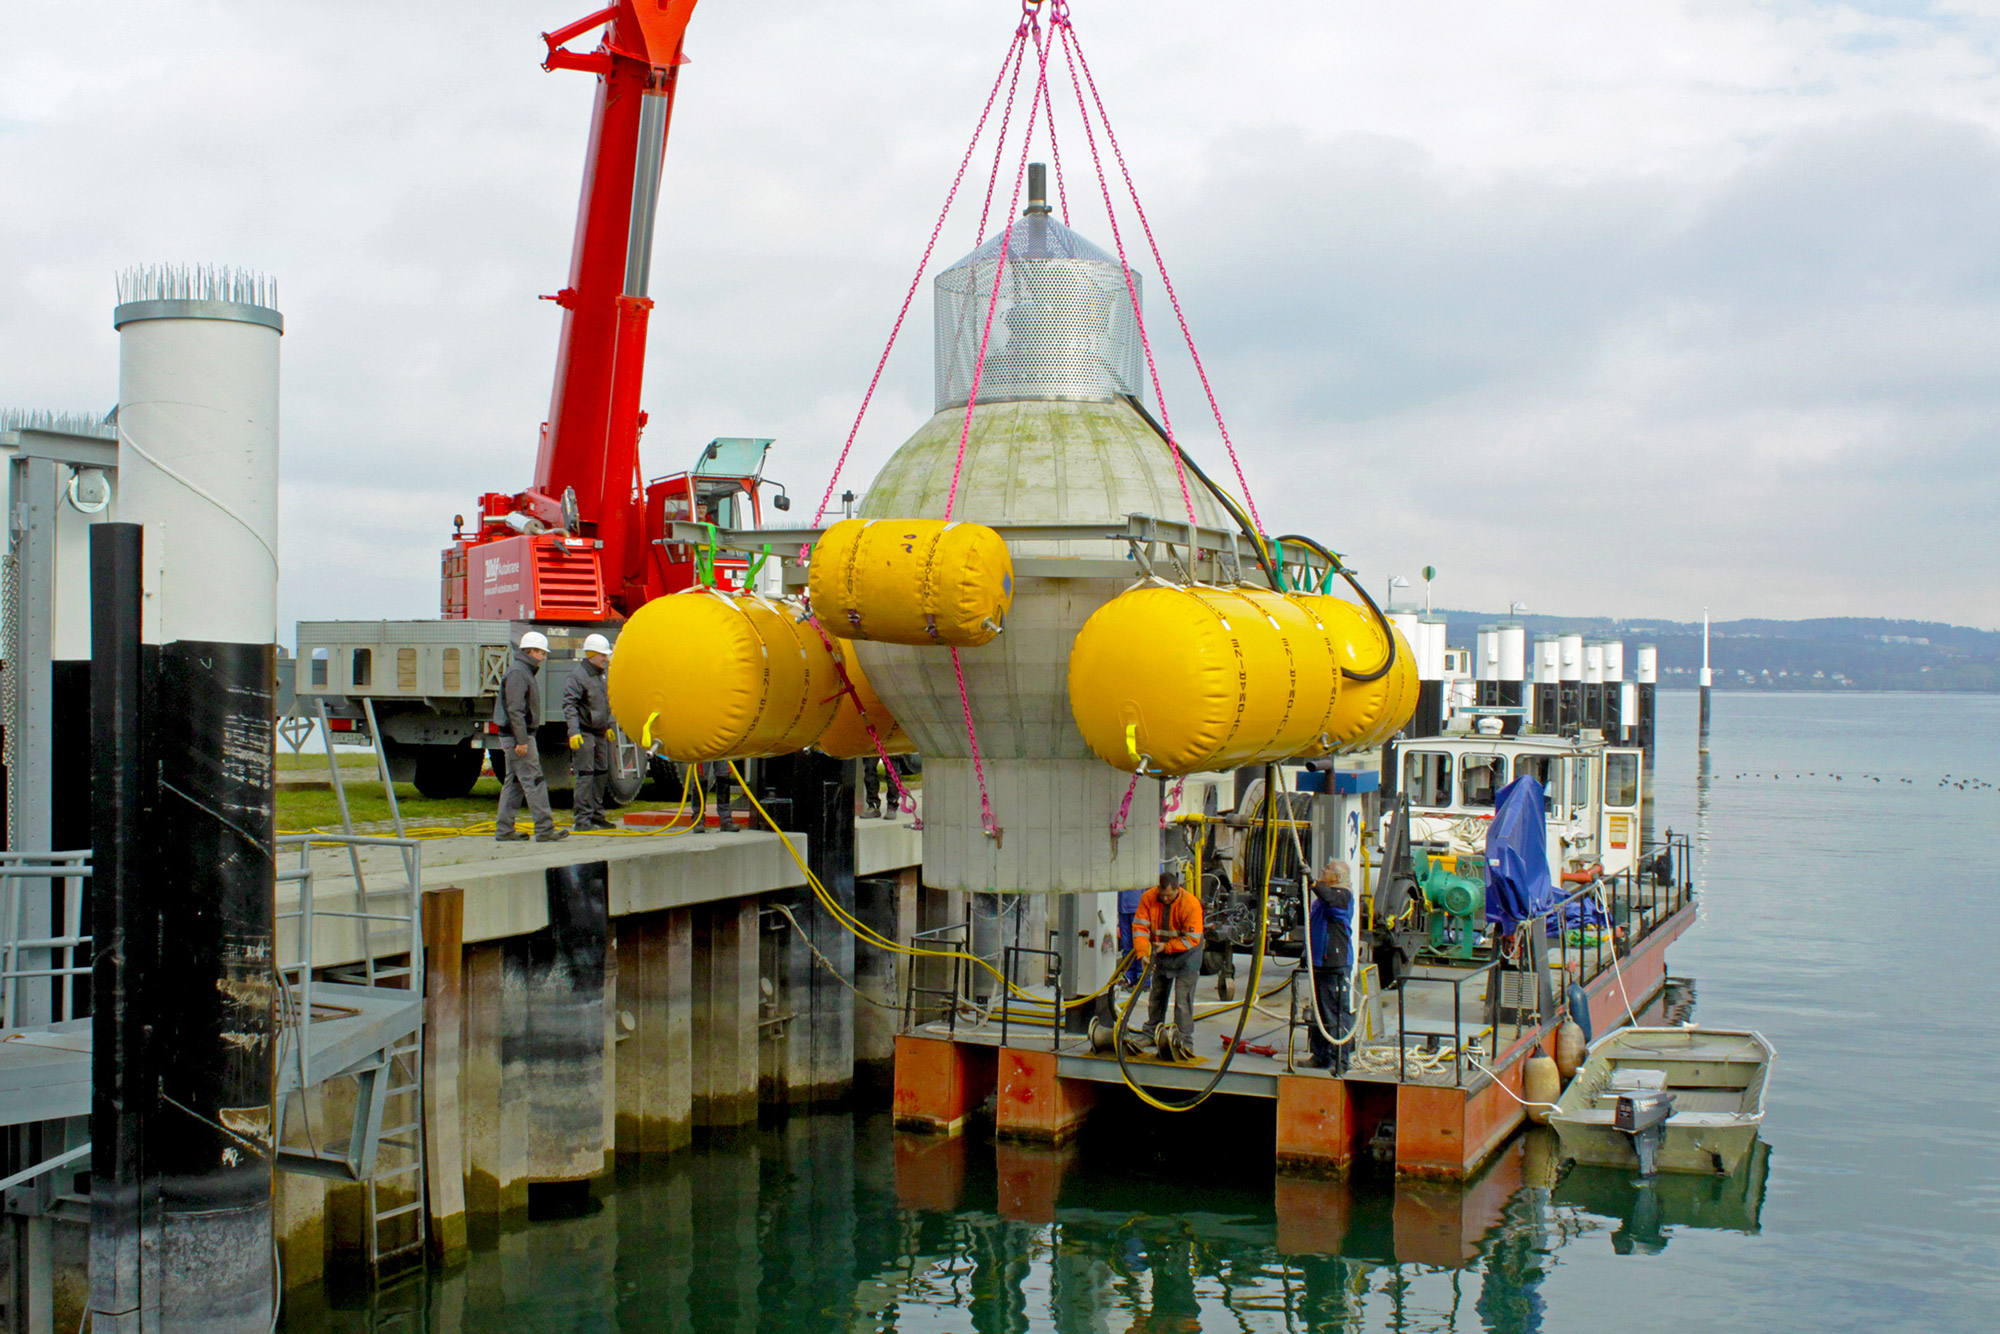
(1828, 653)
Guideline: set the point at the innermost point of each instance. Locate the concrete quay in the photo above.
(597, 1000)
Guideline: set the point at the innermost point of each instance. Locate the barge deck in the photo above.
(1429, 1062)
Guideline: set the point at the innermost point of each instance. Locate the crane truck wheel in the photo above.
(447, 773)
(662, 780)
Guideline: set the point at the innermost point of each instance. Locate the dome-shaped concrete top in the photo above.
(1039, 462)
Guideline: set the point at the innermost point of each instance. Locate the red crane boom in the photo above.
(574, 546)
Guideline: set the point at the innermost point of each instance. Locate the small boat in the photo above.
(1666, 1099)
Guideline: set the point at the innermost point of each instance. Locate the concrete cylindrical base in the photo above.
(1042, 846)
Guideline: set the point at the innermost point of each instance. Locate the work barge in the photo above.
(1437, 1089)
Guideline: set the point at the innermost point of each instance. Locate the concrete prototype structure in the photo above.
(1052, 439)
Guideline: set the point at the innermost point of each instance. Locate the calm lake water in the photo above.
(1854, 922)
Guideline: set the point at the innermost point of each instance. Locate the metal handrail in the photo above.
(411, 890)
(1645, 903)
(17, 869)
(303, 877)
(1457, 984)
(938, 936)
(1007, 958)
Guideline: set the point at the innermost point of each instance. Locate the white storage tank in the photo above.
(1486, 662)
(1513, 652)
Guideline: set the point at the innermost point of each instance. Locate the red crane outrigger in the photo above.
(578, 545)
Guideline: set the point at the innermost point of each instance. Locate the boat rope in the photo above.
(986, 823)
(828, 964)
(1049, 119)
(1033, 20)
(1120, 821)
(1525, 1102)
(1617, 973)
(1029, 30)
(861, 931)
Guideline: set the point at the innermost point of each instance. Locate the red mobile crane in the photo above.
(586, 543)
(581, 543)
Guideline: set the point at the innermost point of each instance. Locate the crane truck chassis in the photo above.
(433, 685)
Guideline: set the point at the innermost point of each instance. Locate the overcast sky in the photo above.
(1614, 309)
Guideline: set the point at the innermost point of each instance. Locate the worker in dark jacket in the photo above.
(518, 713)
(587, 710)
(1329, 928)
(1168, 928)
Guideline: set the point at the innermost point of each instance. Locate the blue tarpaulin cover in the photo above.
(1517, 856)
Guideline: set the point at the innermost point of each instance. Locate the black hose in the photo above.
(1388, 630)
(1228, 501)
(1264, 561)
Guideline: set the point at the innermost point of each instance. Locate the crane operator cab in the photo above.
(723, 489)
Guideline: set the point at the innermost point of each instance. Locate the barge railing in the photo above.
(1053, 973)
(1634, 900)
(957, 938)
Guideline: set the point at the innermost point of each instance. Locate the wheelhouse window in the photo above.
(1579, 784)
(1546, 770)
(320, 657)
(361, 668)
(1480, 778)
(1621, 779)
(1427, 778)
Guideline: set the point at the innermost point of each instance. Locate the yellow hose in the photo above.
(868, 935)
(1256, 976)
(690, 780)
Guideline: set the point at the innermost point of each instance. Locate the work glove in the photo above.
(576, 741)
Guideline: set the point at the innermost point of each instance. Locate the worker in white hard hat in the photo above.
(587, 710)
(518, 712)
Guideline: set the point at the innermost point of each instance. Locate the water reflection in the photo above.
(1649, 1211)
(836, 1222)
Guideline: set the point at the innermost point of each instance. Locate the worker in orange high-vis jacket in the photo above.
(1167, 928)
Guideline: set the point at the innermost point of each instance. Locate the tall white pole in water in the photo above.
(1707, 680)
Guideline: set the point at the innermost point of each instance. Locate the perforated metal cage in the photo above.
(1064, 327)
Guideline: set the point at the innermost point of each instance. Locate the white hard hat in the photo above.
(596, 644)
(535, 639)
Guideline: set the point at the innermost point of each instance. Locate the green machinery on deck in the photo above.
(1455, 898)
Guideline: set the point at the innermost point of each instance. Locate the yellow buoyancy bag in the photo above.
(912, 581)
(1185, 679)
(1369, 712)
(846, 738)
(707, 675)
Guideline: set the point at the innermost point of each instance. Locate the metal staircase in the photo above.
(361, 1020)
